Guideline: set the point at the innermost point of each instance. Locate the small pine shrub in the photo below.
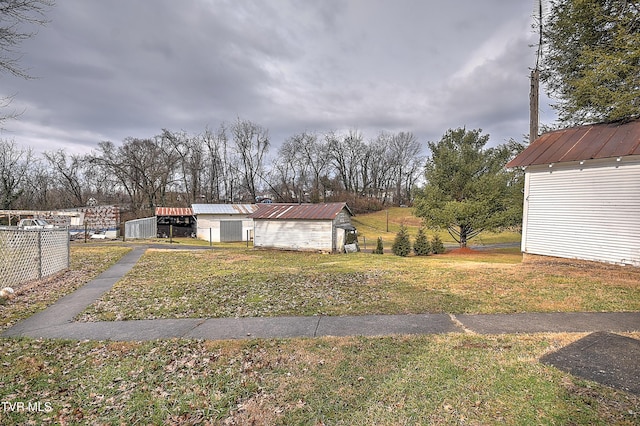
(421, 246)
(401, 245)
(437, 247)
(379, 248)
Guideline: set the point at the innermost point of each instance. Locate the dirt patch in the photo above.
(463, 251)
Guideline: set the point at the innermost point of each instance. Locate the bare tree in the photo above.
(292, 168)
(144, 167)
(14, 167)
(404, 152)
(251, 143)
(314, 152)
(222, 165)
(16, 16)
(38, 190)
(380, 169)
(191, 159)
(346, 153)
(67, 173)
(108, 159)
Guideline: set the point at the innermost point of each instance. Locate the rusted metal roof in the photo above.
(326, 211)
(589, 142)
(243, 209)
(173, 211)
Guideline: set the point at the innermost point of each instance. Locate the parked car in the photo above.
(34, 224)
(99, 235)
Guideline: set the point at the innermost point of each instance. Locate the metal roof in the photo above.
(326, 211)
(173, 211)
(589, 142)
(243, 209)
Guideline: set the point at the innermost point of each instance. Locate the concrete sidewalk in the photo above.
(57, 321)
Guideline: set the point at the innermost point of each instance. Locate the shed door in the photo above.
(230, 230)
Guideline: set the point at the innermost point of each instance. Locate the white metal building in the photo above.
(582, 193)
(303, 227)
(224, 222)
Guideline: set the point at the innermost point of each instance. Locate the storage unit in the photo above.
(224, 222)
(582, 193)
(304, 227)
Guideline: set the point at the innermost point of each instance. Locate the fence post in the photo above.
(210, 238)
(39, 253)
(68, 249)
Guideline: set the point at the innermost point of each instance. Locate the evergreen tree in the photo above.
(591, 52)
(437, 247)
(379, 248)
(468, 189)
(401, 245)
(421, 246)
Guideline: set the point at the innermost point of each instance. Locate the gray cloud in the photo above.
(108, 70)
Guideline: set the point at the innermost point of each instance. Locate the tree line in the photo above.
(229, 165)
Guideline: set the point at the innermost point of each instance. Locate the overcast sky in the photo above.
(107, 70)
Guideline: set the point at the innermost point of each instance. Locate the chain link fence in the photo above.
(31, 254)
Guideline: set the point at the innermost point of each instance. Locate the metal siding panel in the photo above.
(565, 142)
(589, 213)
(141, 228)
(230, 230)
(208, 228)
(299, 211)
(293, 234)
(582, 143)
(589, 145)
(243, 209)
(173, 211)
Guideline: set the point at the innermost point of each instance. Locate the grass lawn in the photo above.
(238, 282)
(386, 224)
(444, 379)
(449, 379)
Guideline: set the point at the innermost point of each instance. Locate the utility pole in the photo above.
(535, 85)
(533, 105)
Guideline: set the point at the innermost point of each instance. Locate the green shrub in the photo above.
(379, 248)
(421, 246)
(401, 245)
(437, 247)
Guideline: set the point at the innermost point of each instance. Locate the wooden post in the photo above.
(387, 220)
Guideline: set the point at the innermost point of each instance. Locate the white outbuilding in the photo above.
(224, 222)
(582, 193)
(303, 227)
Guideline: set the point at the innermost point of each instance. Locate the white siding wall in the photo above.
(294, 234)
(211, 222)
(589, 211)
